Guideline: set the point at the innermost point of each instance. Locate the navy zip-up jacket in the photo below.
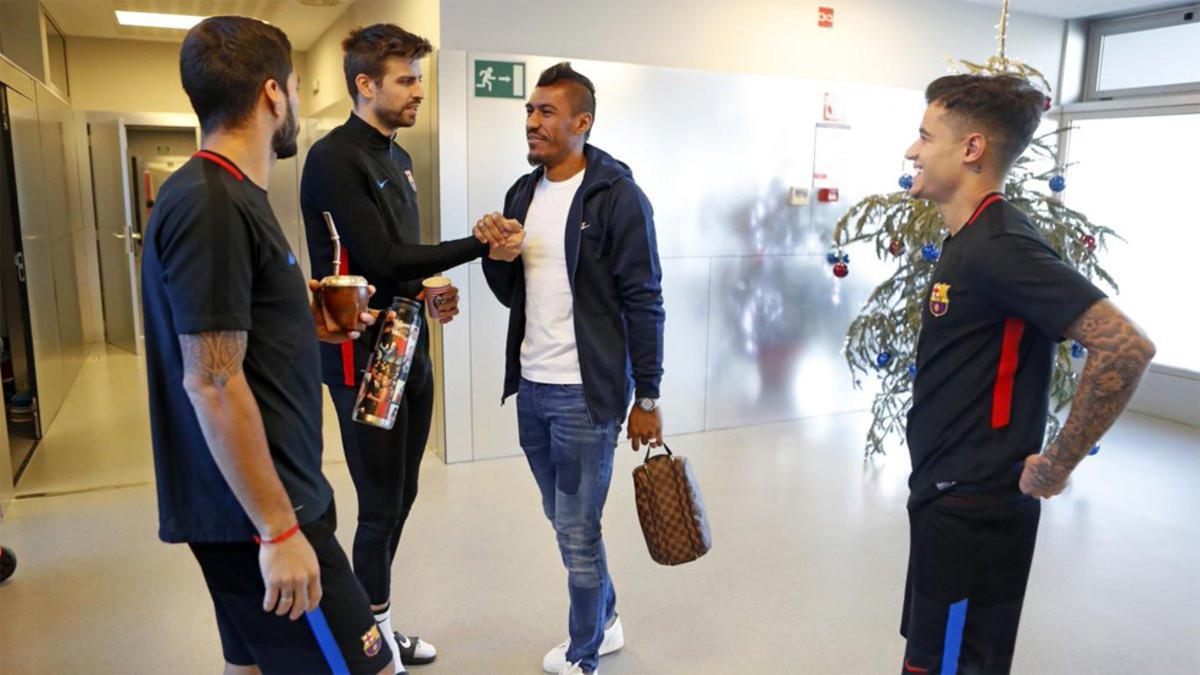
(616, 283)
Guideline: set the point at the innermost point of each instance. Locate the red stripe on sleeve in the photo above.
(1006, 373)
(348, 345)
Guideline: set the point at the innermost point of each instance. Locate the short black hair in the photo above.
(368, 47)
(223, 64)
(1008, 108)
(583, 96)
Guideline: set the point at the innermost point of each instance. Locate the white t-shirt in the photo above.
(548, 354)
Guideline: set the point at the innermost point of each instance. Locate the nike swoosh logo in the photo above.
(381, 183)
(584, 226)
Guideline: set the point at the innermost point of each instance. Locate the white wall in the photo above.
(755, 318)
(125, 75)
(902, 44)
(136, 76)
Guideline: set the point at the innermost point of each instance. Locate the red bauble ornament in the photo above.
(840, 270)
(896, 247)
(1090, 242)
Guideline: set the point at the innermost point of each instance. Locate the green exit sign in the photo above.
(499, 79)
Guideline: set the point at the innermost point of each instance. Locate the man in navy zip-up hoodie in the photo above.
(585, 333)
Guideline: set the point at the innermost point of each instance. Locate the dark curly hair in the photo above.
(223, 63)
(368, 47)
(583, 95)
(1007, 108)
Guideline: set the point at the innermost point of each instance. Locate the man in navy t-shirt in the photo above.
(999, 302)
(234, 381)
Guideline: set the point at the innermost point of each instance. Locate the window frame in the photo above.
(1100, 29)
(63, 89)
(1068, 115)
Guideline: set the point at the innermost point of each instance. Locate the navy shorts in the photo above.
(340, 636)
(968, 566)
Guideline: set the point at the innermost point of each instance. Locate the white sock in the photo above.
(384, 621)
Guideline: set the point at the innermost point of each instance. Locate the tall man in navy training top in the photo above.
(234, 390)
(365, 180)
(1000, 300)
(585, 333)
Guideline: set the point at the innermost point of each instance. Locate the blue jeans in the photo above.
(572, 459)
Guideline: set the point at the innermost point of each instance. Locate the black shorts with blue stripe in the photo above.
(338, 637)
(968, 567)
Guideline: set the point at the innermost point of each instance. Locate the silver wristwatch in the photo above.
(648, 404)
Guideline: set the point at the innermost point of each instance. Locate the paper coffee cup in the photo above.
(438, 290)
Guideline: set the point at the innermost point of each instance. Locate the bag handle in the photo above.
(651, 447)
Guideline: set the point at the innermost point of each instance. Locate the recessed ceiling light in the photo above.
(157, 20)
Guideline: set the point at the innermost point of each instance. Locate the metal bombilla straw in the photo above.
(337, 243)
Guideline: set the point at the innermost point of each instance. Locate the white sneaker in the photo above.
(575, 669)
(555, 661)
(414, 651)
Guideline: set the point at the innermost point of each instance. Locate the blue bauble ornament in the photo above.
(1077, 350)
(930, 253)
(883, 359)
(846, 258)
(906, 182)
(1058, 183)
(1095, 450)
(912, 371)
(831, 257)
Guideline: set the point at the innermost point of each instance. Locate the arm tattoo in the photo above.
(1118, 354)
(213, 357)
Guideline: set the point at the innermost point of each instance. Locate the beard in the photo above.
(284, 140)
(536, 158)
(394, 119)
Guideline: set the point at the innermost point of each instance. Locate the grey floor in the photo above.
(805, 576)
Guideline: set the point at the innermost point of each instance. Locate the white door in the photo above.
(116, 238)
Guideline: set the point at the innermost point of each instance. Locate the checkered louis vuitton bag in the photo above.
(670, 509)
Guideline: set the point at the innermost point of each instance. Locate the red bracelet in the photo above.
(275, 540)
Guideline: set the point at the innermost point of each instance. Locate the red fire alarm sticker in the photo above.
(825, 17)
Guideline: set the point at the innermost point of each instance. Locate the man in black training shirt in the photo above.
(365, 180)
(1000, 300)
(235, 396)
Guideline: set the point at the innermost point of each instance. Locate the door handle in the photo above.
(137, 236)
(118, 236)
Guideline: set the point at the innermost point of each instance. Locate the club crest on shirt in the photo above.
(372, 641)
(939, 300)
(412, 182)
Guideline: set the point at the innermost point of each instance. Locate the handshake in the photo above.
(504, 236)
